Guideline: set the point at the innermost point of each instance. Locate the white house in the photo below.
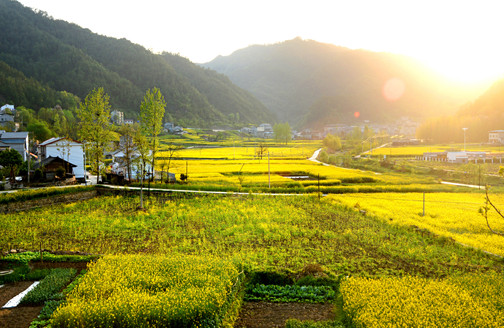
(496, 137)
(7, 108)
(70, 150)
(119, 165)
(457, 157)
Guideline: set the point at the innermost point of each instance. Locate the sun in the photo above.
(470, 65)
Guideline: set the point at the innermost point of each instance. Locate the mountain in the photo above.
(16, 88)
(485, 114)
(67, 57)
(312, 83)
(232, 100)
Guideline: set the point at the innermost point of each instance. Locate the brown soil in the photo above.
(52, 265)
(274, 315)
(10, 290)
(19, 317)
(22, 316)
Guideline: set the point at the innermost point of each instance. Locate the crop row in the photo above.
(153, 291)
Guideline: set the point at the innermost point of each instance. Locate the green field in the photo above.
(368, 244)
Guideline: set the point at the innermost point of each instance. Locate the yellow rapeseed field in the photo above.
(458, 301)
(453, 215)
(153, 291)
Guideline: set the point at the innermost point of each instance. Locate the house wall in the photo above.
(75, 156)
(19, 147)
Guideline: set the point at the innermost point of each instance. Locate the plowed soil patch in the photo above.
(274, 315)
(18, 317)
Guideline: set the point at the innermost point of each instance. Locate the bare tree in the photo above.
(170, 152)
(484, 211)
(261, 150)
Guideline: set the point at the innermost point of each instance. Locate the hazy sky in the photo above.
(461, 39)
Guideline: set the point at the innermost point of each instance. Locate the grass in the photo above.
(264, 233)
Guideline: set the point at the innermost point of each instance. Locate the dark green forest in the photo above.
(66, 57)
(16, 88)
(311, 84)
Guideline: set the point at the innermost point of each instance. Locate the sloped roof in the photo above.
(51, 159)
(56, 139)
(14, 135)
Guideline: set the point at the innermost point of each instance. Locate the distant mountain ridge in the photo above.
(312, 83)
(67, 57)
(480, 117)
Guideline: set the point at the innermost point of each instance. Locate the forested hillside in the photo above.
(16, 88)
(312, 83)
(479, 117)
(67, 57)
(235, 102)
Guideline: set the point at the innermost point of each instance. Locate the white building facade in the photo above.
(70, 150)
(496, 137)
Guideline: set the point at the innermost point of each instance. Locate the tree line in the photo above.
(97, 133)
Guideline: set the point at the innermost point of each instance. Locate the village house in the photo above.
(67, 149)
(496, 137)
(51, 166)
(459, 156)
(119, 164)
(117, 117)
(16, 140)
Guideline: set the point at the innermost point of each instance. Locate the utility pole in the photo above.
(318, 176)
(423, 212)
(465, 129)
(269, 172)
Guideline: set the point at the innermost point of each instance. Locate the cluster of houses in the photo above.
(264, 130)
(462, 157)
(404, 126)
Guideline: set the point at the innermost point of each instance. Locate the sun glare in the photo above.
(393, 89)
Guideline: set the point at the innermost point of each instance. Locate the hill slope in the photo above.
(16, 88)
(221, 92)
(70, 58)
(481, 116)
(315, 83)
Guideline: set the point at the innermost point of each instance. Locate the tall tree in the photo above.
(95, 127)
(127, 145)
(332, 143)
(170, 152)
(12, 161)
(282, 132)
(152, 111)
(145, 154)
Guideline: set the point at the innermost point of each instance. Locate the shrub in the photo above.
(275, 293)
